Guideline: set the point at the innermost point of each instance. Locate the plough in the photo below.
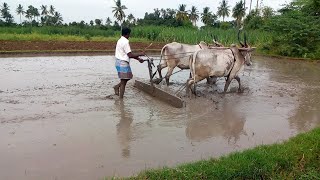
(151, 89)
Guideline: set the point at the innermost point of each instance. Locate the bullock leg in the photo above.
(159, 68)
(169, 73)
(189, 83)
(211, 80)
(238, 79)
(193, 81)
(227, 84)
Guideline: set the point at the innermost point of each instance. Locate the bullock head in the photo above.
(203, 45)
(245, 49)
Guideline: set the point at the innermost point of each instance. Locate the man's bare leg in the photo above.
(123, 84)
(116, 88)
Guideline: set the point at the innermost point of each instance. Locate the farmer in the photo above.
(123, 55)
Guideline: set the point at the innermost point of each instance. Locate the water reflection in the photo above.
(299, 79)
(227, 123)
(124, 133)
(307, 114)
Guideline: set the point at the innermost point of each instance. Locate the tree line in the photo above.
(47, 15)
(294, 29)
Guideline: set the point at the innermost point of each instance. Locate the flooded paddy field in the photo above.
(58, 120)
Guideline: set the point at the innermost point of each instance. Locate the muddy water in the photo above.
(56, 122)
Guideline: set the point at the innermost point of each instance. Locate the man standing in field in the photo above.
(123, 54)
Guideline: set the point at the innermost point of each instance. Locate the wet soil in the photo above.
(59, 119)
(69, 46)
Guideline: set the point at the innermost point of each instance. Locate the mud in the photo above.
(59, 119)
(68, 45)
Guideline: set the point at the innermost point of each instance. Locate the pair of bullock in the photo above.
(206, 62)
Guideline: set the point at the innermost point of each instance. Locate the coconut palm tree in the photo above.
(164, 13)
(44, 10)
(130, 18)
(207, 17)
(4, 9)
(238, 12)
(98, 22)
(223, 9)
(118, 11)
(20, 11)
(108, 22)
(182, 14)
(57, 18)
(36, 13)
(157, 13)
(30, 13)
(171, 13)
(194, 15)
(5, 13)
(52, 10)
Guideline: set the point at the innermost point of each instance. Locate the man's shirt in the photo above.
(122, 49)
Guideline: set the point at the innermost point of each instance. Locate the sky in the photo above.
(77, 10)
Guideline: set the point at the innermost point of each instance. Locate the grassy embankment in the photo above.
(146, 34)
(139, 34)
(297, 158)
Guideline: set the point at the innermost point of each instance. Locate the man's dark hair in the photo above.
(126, 31)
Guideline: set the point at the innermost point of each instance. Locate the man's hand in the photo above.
(140, 60)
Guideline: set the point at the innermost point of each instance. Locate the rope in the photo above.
(158, 59)
(181, 88)
(175, 54)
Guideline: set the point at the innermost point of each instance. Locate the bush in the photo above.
(297, 35)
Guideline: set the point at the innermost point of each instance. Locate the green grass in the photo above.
(139, 33)
(56, 37)
(257, 38)
(297, 158)
(193, 36)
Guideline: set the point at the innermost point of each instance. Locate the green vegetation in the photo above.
(293, 30)
(298, 158)
(190, 35)
(142, 33)
(298, 29)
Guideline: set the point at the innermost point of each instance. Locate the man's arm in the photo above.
(136, 56)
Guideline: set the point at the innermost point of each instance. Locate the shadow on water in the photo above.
(124, 129)
(221, 119)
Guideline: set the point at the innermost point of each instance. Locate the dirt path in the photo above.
(68, 46)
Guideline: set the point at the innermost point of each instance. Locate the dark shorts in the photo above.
(123, 69)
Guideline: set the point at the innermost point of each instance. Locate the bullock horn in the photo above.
(245, 40)
(215, 38)
(239, 38)
(148, 46)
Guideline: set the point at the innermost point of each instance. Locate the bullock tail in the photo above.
(194, 65)
(159, 68)
(162, 53)
(192, 62)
